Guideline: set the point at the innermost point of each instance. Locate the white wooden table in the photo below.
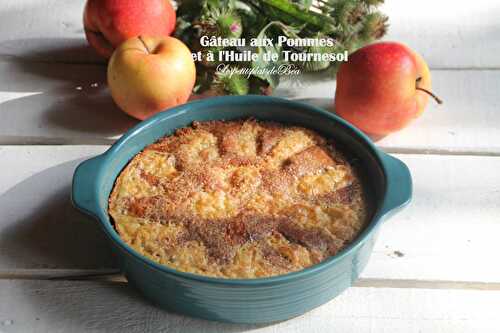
(436, 266)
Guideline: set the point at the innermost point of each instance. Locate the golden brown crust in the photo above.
(239, 199)
(308, 161)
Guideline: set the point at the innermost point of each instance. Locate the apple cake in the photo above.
(239, 199)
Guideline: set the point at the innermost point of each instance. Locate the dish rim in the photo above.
(105, 221)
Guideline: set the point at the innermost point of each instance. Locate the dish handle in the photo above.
(84, 194)
(399, 185)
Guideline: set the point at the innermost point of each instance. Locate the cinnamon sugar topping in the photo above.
(238, 199)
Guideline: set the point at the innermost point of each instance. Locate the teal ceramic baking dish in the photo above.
(245, 301)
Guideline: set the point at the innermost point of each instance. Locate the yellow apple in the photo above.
(147, 75)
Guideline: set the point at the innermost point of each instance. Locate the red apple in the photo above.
(108, 23)
(147, 75)
(382, 88)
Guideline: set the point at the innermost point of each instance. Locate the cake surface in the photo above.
(238, 199)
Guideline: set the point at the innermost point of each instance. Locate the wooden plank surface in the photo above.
(448, 34)
(44, 103)
(44, 306)
(449, 230)
(49, 31)
(431, 240)
(69, 104)
(467, 122)
(52, 30)
(39, 228)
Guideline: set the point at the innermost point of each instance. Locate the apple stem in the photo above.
(144, 43)
(437, 99)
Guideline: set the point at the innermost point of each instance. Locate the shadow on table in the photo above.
(100, 306)
(69, 96)
(67, 101)
(50, 50)
(41, 229)
(64, 115)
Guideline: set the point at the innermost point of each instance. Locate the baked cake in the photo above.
(238, 199)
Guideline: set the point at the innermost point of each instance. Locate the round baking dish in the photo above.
(257, 300)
